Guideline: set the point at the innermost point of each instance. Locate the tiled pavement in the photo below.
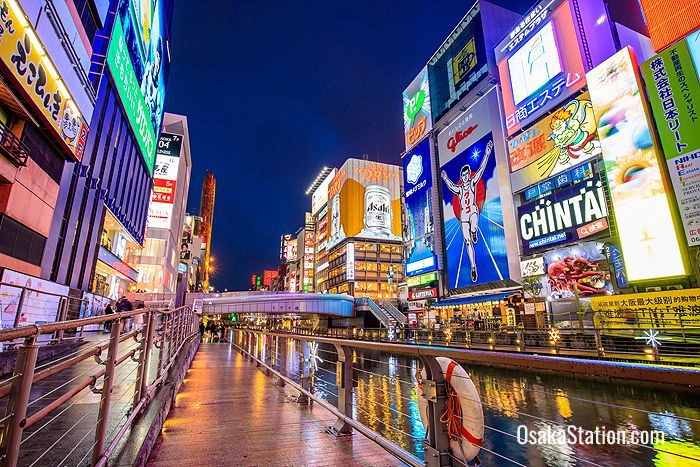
(229, 413)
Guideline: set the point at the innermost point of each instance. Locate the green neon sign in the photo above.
(414, 105)
(131, 95)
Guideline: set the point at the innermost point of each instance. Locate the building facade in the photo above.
(99, 225)
(158, 262)
(46, 107)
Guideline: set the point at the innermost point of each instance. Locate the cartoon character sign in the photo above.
(554, 144)
(473, 217)
(569, 134)
(465, 190)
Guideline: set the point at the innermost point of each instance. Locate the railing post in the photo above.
(282, 359)
(106, 391)
(344, 375)
(141, 385)
(599, 344)
(163, 340)
(304, 380)
(61, 315)
(437, 450)
(268, 355)
(18, 400)
(20, 303)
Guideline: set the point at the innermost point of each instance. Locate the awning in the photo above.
(476, 299)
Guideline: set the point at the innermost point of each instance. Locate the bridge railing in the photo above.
(668, 344)
(142, 346)
(371, 387)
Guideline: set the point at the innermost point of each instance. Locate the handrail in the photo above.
(383, 442)
(165, 332)
(391, 308)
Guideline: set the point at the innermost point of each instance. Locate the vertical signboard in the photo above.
(417, 118)
(475, 242)
(642, 211)
(539, 63)
(350, 261)
(418, 229)
(27, 61)
(459, 64)
(160, 210)
(364, 201)
(674, 93)
(138, 60)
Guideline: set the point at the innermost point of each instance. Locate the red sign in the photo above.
(592, 228)
(268, 277)
(459, 137)
(253, 278)
(422, 294)
(669, 20)
(163, 191)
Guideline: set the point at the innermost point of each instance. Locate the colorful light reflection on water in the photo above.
(385, 399)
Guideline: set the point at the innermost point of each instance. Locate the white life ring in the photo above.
(467, 431)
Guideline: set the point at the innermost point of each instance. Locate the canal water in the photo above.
(386, 400)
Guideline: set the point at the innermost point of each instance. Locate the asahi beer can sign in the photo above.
(362, 198)
(378, 209)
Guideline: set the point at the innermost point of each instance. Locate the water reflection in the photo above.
(385, 399)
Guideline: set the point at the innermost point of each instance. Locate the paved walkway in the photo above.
(229, 413)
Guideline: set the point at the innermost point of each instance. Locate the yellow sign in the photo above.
(25, 57)
(650, 309)
(464, 61)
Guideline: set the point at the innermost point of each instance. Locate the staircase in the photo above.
(386, 312)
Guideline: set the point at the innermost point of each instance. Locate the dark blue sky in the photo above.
(273, 91)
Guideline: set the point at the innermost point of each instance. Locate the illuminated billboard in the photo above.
(539, 63)
(642, 210)
(160, 210)
(674, 93)
(31, 66)
(269, 276)
(475, 242)
(364, 201)
(458, 65)
(583, 266)
(138, 59)
(419, 241)
(417, 118)
(556, 143)
(669, 20)
(320, 197)
(567, 215)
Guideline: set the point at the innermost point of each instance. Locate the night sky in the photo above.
(273, 91)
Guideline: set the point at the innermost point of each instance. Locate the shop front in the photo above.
(114, 276)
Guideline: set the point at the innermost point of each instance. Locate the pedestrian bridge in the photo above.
(276, 303)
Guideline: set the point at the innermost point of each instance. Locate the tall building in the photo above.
(158, 262)
(46, 107)
(206, 212)
(364, 245)
(100, 220)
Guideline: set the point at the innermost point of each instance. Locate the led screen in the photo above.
(535, 64)
(418, 219)
(642, 210)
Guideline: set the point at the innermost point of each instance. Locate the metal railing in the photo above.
(640, 343)
(258, 348)
(368, 389)
(157, 342)
(12, 147)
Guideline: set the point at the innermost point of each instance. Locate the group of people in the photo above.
(122, 305)
(217, 332)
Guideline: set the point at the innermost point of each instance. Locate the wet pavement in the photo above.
(229, 413)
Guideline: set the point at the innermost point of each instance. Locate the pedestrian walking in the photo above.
(108, 311)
